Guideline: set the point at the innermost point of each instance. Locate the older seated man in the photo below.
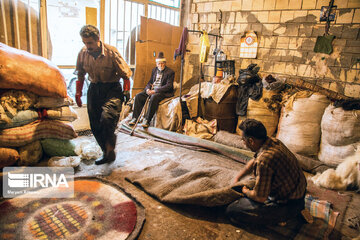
(280, 184)
(160, 86)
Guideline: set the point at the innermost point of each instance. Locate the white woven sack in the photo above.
(334, 155)
(340, 127)
(299, 127)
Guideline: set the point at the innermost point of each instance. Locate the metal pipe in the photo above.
(110, 21)
(4, 21)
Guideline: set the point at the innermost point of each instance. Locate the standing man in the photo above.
(280, 184)
(105, 66)
(160, 86)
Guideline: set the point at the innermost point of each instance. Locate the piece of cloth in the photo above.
(181, 50)
(250, 86)
(108, 67)
(249, 211)
(278, 173)
(200, 128)
(104, 101)
(324, 44)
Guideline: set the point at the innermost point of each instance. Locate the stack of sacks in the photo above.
(30, 85)
(340, 137)
(299, 124)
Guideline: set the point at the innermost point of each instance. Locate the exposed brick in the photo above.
(195, 18)
(287, 57)
(193, 8)
(227, 28)
(275, 55)
(305, 30)
(340, 3)
(268, 66)
(247, 5)
(308, 44)
(350, 32)
(283, 42)
(336, 30)
(241, 17)
(318, 30)
(339, 42)
(299, 57)
(279, 67)
(333, 73)
(282, 4)
(268, 29)
(321, 3)
(300, 16)
(292, 29)
(269, 4)
(345, 16)
(200, 7)
(304, 70)
(234, 51)
(308, 4)
(270, 42)
(352, 90)
(287, 16)
(290, 69)
(356, 18)
(294, 4)
(279, 29)
(313, 16)
(257, 4)
(252, 18)
(231, 18)
(355, 50)
(257, 27)
(263, 16)
(353, 76)
(293, 43)
(353, 4)
(212, 18)
(203, 18)
(261, 41)
(235, 6)
(263, 53)
(274, 16)
(208, 7)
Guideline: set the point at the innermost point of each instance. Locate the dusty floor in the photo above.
(179, 221)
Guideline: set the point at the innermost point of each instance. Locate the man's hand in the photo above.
(79, 86)
(126, 96)
(150, 92)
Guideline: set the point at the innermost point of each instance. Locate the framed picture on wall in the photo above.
(323, 13)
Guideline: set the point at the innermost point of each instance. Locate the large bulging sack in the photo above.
(300, 120)
(22, 70)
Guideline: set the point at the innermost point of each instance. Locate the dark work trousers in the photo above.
(104, 102)
(154, 101)
(246, 210)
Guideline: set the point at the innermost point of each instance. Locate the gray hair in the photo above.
(90, 31)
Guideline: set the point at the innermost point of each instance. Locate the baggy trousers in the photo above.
(104, 102)
(246, 210)
(154, 101)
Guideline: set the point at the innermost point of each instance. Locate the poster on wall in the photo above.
(249, 45)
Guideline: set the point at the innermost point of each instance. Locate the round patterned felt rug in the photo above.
(98, 210)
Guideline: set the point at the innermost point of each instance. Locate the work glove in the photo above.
(126, 96)
(79, 87)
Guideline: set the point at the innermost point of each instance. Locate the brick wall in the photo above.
(287, 32)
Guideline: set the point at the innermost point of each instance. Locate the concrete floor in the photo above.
(178, 222)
